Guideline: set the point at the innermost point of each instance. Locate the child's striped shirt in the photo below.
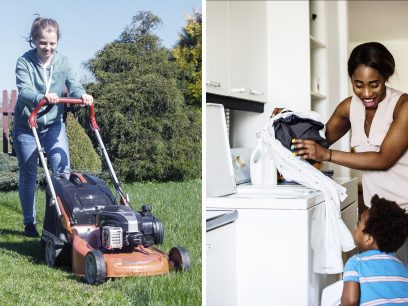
(383, 278)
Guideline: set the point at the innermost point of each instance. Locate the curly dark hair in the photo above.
(387, 223)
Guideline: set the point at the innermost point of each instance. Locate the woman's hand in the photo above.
(309, 149)
(52, 98)
(87, 100)
(276, 111)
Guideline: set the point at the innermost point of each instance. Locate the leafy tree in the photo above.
(188, 53)
(146, 126)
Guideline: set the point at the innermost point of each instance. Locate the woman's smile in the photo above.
(369, 102)
(368, 85)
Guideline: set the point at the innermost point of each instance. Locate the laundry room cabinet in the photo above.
(217, 48)
(237, 49)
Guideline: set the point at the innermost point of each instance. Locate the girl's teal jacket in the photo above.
(32, 87)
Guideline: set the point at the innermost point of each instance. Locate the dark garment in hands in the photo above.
(294, 127)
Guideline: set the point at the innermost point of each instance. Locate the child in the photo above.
(376, 276)
(42, 73)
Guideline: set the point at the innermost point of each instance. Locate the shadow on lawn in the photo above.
(29, 248)
(11, 232)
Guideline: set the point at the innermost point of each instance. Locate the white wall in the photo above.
(337, 57)
(288, 62)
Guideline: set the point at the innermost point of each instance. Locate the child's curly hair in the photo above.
(387, 223)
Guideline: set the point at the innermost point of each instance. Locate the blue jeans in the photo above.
(55, 143)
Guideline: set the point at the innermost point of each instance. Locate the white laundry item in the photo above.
(329, 235)
(331, 295)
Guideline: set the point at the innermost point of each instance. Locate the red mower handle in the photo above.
(43, 102)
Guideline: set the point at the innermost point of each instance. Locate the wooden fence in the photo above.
(5, 110)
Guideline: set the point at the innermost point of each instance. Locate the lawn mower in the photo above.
(85, 225)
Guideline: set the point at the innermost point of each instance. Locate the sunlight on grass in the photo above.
(25, 279)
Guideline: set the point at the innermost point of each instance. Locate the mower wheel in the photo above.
(95, 267)
(54, 252)
(179, 256)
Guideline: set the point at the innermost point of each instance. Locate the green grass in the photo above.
(26, 280)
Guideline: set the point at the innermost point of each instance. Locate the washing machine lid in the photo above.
(267, 197)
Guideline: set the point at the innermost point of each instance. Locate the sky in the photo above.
(85, 27)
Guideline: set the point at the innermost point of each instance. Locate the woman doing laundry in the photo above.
(42, 73)
(378, 118)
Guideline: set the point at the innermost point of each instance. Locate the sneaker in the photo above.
(31, 230)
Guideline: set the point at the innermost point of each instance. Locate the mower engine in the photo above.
(122, 228)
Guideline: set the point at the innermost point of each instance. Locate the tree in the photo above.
(149, 131)
(188, 53)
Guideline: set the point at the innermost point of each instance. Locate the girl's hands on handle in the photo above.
(52, 98)
(276, 111)
(87, 100)
(309, 149)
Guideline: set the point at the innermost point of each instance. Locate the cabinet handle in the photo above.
(215, 84)
(242, 90)
(254, 92)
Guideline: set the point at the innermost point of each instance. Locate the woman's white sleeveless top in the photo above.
(393, 183)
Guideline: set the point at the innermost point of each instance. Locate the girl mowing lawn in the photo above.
(42, 73)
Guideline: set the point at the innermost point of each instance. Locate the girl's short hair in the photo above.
(40, 25)
(374, 55)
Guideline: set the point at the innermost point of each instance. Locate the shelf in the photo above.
(315, 44)
(316, 95)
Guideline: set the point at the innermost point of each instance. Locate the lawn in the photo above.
(26, 280)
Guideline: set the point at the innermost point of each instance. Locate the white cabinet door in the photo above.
(217, 47)
(257, 43)
(350, 217)
(238, 49)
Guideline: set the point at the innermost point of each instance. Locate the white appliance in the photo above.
(274, 258)
(221, 276)
(220, 178)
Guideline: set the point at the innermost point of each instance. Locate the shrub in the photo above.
(11, 124)
(8, 163)
(148, 130)
(81, 151)
(9, 173)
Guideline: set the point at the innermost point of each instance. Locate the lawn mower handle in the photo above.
(43, 102)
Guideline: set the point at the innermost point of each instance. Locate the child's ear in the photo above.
(369, 240)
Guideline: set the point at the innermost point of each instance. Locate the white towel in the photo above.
(330, 236)
(331, 295)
